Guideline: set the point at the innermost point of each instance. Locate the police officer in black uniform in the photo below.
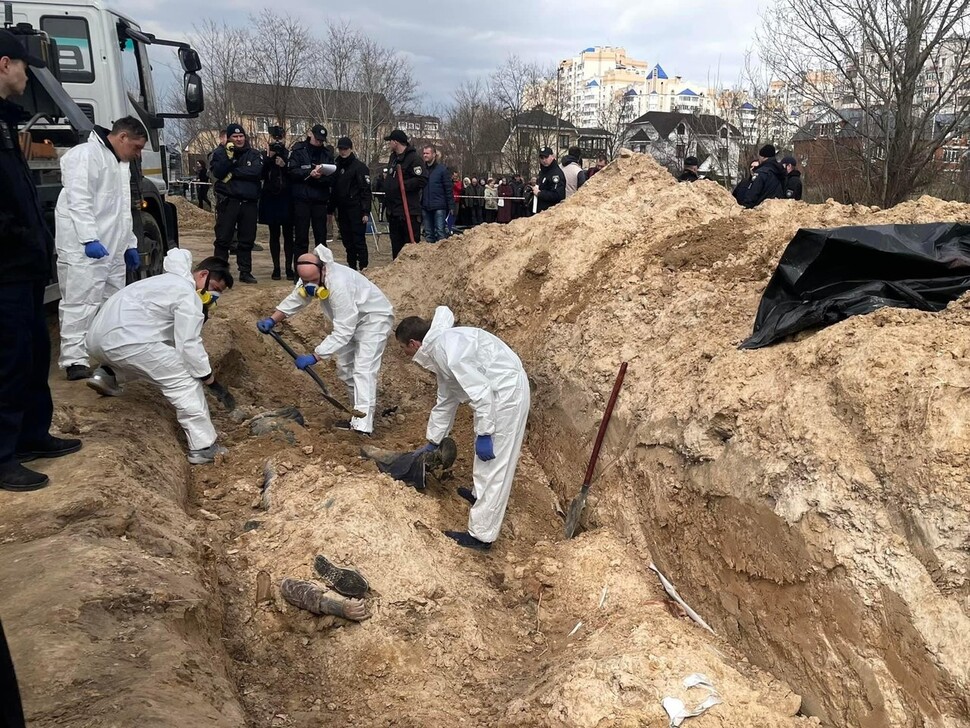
(550, 187)
(406, 164)
(311, 188)
(238, 170)
(351, 201)
(25, 268)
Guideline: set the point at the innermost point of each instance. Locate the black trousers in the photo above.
(203, 193)
(353, 234)
(305, 215)
(477, 217)
(25, 358)
(289, 257)
(397, 227)
(11, 710)
(236, 217)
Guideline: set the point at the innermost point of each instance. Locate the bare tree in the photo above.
(224, 51)
(900, 64)
(474, 128)
(279, 57)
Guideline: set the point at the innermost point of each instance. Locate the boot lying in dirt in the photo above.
(467, 494)
(307, 595)
(343, 581)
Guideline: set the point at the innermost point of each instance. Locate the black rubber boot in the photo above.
(463, 538)
(77, 372)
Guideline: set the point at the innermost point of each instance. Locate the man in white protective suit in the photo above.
(93, 232)
(152, 330)
(474, 366)
(362, 319)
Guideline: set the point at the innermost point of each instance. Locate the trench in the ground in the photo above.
(467, 637)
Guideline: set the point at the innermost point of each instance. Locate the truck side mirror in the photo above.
(194, 103)
(190, 61)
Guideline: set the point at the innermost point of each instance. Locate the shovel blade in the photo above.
(575, 511)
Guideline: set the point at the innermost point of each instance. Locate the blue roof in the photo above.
(592, 83)
(747, 105)
(657, 72)
(687, 92)
(590, 50)
(631, 92)
(654, 93)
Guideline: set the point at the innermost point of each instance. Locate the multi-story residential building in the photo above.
(422, 128)
(594, 80)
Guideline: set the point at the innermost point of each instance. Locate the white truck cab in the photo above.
(98, 70)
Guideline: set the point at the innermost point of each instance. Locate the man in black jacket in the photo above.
(312, 182)
(768, 182)
(238, 170)
(351, 200)
(550, 186)
(25, 268)
(691, 167)
(793, 185)
(403, 214)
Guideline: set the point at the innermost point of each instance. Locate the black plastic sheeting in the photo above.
(825, 276)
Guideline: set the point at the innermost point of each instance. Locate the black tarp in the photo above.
(826, 276)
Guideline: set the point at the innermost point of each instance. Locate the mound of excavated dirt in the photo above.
(455, 637)
(191, 217)
(810, 499)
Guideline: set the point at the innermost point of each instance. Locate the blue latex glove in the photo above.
(483, 447)
(132, 259)
(95, 249)
(305, 361)
(265, 325)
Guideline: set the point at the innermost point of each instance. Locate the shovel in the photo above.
(579, 502)
(315, 377)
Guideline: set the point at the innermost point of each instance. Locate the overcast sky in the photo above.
(449, 41)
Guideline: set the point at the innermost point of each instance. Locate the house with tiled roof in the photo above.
(670, 137)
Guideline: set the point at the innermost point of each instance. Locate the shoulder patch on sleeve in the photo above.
(367, 178)
(417, 171)
(555, 179)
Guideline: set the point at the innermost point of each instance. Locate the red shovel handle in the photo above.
(605, 421)
(404, 199)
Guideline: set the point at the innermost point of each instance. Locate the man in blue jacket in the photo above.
(238, 171)
(437, 197)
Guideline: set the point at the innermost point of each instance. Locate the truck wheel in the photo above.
(151, 261)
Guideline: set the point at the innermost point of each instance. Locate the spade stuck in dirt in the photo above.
(579, 502)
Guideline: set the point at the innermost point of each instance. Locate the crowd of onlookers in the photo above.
(767, 178)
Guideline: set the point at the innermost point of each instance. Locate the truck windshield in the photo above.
(132, 73)
(73, 47)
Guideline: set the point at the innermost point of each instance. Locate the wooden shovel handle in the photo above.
(603, 424)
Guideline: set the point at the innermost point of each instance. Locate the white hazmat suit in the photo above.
(94, 204)
(153, 330)
(362, 319)
(474, 366)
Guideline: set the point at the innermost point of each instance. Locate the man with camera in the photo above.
(310, 166)
(238, 169)
(275, 204)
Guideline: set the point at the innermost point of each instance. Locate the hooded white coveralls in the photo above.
(362, 319)
(95, 204)
(153, 330)
(477, 367)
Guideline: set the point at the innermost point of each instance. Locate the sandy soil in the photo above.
(808, 500)
(130, 584)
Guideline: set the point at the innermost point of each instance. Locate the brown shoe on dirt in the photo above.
(307, 595)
